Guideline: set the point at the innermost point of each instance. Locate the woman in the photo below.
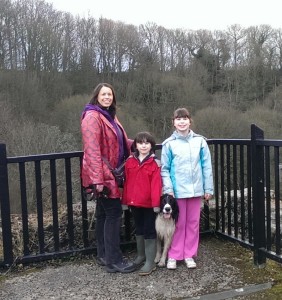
(105, 143)
(187, 175)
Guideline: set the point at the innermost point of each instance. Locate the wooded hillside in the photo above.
(50, 61)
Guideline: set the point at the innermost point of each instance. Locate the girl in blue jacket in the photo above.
(187, 175)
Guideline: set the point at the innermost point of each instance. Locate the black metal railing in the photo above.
(44, 214)
(246, 206)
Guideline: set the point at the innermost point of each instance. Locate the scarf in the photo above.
(120, 136)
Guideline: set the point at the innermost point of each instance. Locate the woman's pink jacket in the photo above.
(100, 140)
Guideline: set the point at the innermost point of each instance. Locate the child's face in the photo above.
(144, 147)
(182, 125)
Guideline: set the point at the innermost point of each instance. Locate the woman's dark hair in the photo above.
(144, 136)
(96, 91)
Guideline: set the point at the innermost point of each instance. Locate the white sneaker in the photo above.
(171, 264)
(190, 263)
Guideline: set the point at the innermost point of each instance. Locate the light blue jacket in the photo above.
(186, 166)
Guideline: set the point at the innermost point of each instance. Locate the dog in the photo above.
(165, 227)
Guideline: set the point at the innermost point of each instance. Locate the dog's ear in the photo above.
(175, 210)
(162, 201)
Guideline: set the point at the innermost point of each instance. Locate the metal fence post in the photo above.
(257, 162)
(5, 208)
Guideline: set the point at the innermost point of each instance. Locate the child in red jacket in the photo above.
(142, 192)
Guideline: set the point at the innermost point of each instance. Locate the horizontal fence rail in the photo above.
(44, 214)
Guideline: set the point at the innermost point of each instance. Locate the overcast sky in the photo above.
(184, 14)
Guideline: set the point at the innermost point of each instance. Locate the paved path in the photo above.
(223, 271)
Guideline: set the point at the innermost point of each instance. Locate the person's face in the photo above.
(144, 148)
(105, 97)
(182, 125)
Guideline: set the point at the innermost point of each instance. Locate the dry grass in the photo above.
(33, 245)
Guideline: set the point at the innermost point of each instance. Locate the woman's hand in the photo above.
(99, 188)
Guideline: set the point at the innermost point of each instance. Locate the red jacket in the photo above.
(143, 183)
(100, 139)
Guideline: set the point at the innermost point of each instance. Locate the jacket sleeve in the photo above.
(124, 198)
(156, 187)
(91, 137)
(206, 168)
(165, 169)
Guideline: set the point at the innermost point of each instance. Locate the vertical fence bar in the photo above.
(53, 176)
(69, 202)
(268, 200)
(24, 208)
(84, 212)
(5, 208)
(222, 211)
(277, 203)
(216, 180)
(242, 185)
(249, 185)
(228, 170)
(235, 205)
(258, 195)
(206, 213)
(39, 206)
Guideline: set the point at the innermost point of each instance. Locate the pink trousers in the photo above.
(186, 236)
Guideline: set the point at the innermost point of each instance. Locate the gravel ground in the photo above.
(221, 266)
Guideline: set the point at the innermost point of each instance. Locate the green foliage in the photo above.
(221, 122)
(156, 95)
(132, 120)
(267, 119)
(56, 86)
(274, 99)
(66, 116)
(23, 91)
(51, 61)
(33, 94)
